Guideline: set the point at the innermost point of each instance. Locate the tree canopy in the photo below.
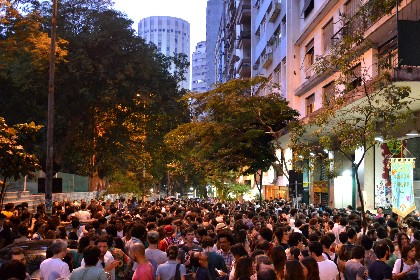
(233, 130)
(114, 93)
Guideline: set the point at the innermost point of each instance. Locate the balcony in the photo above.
(244, 39)
(266, 60)
(244, 68)
(275, 10)
(244, 12)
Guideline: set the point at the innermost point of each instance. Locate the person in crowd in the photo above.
(379, 270)
(169, 239)
(106, 260)
(215, 262)
(144, 270)
(327, 269)
(406, 267)
(295, 270)
(55, 267)
(354, 268)
(225, 240)
(171, 269)
(90, 271)
(279, 261)
(5, 232)
(18, 254)
(243, 269)
(311, 266)
(77, 254)
(202, 272)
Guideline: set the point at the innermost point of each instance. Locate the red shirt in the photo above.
(144, 271)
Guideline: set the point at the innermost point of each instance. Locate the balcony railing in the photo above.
(244, 12)
(275, 10)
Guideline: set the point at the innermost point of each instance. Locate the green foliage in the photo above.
(231, 191)
(233, 130)
(114, 94)
(360, 107)
(15, 161)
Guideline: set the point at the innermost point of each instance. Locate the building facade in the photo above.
(286, 38)
(199, 68)
(213, 19)
(171, 36)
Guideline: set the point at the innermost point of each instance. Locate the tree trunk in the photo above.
(2, 193)
(362, 202)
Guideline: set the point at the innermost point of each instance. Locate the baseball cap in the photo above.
(168, 229)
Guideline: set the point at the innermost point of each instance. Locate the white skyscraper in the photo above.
(170, 35)
(199, 68)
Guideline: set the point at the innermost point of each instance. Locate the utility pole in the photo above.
(50, 126)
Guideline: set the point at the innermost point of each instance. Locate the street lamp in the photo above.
(50, 126)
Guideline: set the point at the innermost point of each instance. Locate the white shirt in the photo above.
(108, 258)
(84, 215)
(327, 270)
(52, 269)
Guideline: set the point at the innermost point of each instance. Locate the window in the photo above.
(355, 78)
(308, 6)
(309, 58)
(327, 35)
(350, 10)
(328, 92)
(310, 103)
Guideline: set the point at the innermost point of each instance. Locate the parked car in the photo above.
(35, 252)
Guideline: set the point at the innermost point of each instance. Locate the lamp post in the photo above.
(50, 126)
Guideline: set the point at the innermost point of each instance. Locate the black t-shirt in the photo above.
(379, 270)
(6, 235)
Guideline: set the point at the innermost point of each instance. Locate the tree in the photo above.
(232, 131)
(15, 161)
(114, 91)
(360, 106)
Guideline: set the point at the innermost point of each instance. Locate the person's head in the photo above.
(295, 239)
(172, 252)
(168, 230)
(265, 234)
(315, 249)
(294, 270)
(243, 268)
(203, 259)
(190, 234)
(13, 270)
(343, 237)
(84, 241)
(266, 274)
(18, 254)
(91, 255)
(153, 237)
(325, 241)
(312, 267)
(382, 250)
(207, 242)
(279, 259)
(263, 262)
(295, 253)
(408, 252)
(119, 223)
(366, 242)
(238, 250)
(137, 251)
(225, 241)
(102, 243)
(402, 240)
(358, 252)
(59, 248)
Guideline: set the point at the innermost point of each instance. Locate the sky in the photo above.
(193, 11)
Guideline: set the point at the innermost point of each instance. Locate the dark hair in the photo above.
(262, 259)
(207, 241)
(266, 274)
(399, 239)
(381, 248)
(295, 252)
(294, 239)
(366, 242)
(405, 250)
(17, 251)
(238, 250)
(316, 248)
(358, 252)
(279, 260)
(351, 233)
(13, 269)
(381, 232)
(294, 270)
(102, 238)
(326, 241)
(172, 252)
(343, 237)
(243, 269)
(266, 233)
(91, 255)
(263, 245)
(312, 266)
(225, 234)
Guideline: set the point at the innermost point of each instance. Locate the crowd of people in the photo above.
(210, 240)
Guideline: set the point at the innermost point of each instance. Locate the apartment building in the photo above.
(213, 18)
(170, 35)
(199, 68)
(287, 36)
